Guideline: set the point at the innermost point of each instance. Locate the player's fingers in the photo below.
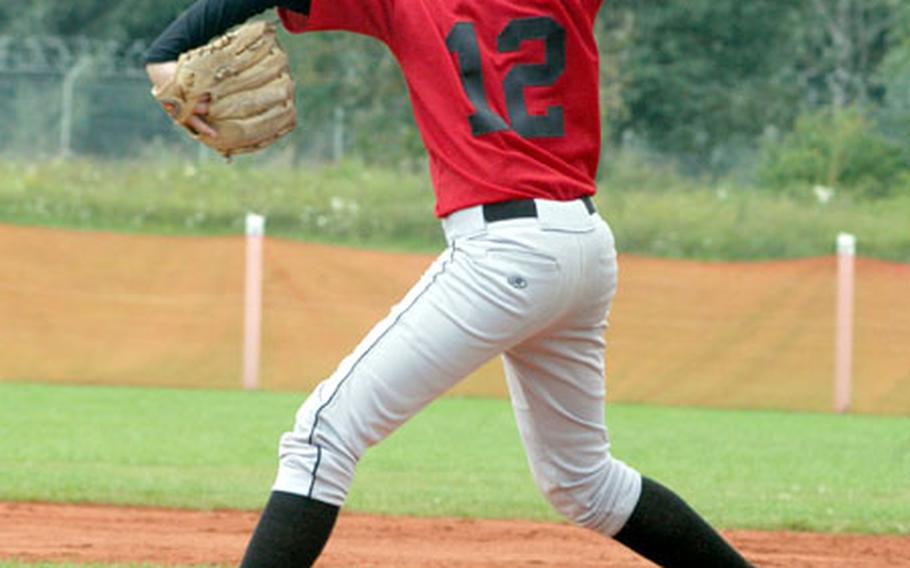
(202, 107)
(199, 126)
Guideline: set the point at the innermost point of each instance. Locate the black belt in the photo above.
(517, 208)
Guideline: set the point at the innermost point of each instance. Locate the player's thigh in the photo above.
(428, 342)
(458, 317)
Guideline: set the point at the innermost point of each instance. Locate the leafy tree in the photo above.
(894, 113)
(894, 75)
(701, 82)
(704, 75)
(837, 53)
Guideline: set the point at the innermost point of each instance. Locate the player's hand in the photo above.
(162, 73)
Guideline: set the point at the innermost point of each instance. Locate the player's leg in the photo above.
(557, 398)
(556, 381)
(666, 530)
(292, 531)
(561, 422)
(450, 323)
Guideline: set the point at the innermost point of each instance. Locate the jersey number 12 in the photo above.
(462, 40)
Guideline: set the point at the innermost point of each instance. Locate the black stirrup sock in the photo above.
(291, 532)
(668, 532)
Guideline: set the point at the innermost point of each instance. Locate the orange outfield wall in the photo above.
(99, 308)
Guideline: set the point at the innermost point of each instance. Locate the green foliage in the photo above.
(703, 81)
(700, 82)
(205, 449)
(894, 113)
(653, 210)
(122, 20)
(701, 78)
(839, 149)
(837, 48)
(343, 203)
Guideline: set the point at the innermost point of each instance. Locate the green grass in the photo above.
(652, 210)
(460, 457)
(342, 204)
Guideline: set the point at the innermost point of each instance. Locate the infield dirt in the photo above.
(34, 532)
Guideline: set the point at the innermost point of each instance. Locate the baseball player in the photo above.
(505, 93)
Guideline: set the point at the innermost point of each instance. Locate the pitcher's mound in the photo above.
(35, 532)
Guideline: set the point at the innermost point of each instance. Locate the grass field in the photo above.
(216, 449)
(652, 211)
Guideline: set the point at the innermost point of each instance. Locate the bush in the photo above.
(839, 149)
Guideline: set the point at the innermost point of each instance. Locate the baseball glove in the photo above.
(244, 77)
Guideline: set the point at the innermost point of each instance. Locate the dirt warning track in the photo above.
(35, 532)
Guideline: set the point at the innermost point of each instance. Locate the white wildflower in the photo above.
(823, 194)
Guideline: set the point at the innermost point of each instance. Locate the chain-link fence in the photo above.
(84, 97)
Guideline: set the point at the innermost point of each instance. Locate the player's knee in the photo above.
(322, 430)
(317, 458)
(600, 499)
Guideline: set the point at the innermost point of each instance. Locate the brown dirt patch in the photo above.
(39, 532)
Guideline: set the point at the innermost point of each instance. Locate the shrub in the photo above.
(840, 149)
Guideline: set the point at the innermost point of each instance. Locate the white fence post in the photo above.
(252, 311)
(843, 356)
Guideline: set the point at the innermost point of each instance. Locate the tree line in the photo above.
(778, 91)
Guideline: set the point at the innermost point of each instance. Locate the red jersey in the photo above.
(505, 92)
